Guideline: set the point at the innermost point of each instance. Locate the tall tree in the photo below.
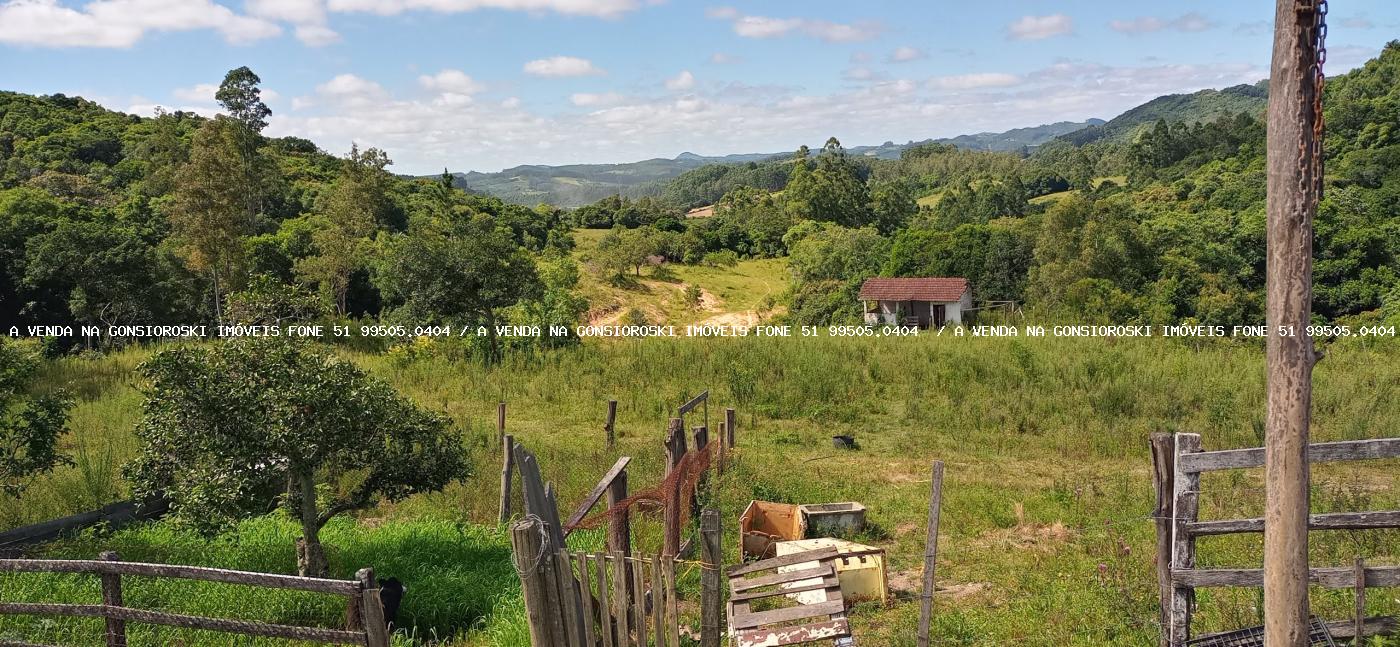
(208, 215)
(241, 97)
(347, 220)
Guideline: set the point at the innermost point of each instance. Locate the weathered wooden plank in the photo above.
(1329, 521)
(694, 402)
(244, 627)
(572, 607)
(1346, 450)
(605, 610)
(673, 616)
(1163, 475)
(737, 585)
(1186, 487)
(825, 583)
(659, 592)
(639, 602)
(99, 567)
(376, 630)
(1331, 578)
(586, 596)
(595, 494)
(783, 560)
(794, 635)
(710, 595)
(1374, 626)
(621, 584)
(787, 614)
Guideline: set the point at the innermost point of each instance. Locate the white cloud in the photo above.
(316, 35)
(906, 53)
(974, 81)
(590, 99)
(423, 133)
(203, 92)
(451, 81)
(767, 27)
(1358, 22)
(683, 81)
(861, 57)
(1186, 22)
(121, 23)
(720, 58)
(600, 8)
(1039, 27)
(557, 66)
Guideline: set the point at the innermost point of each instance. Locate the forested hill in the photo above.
(578, 184)
(1205, 105)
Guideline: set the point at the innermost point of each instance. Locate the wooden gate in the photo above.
(1178, 463)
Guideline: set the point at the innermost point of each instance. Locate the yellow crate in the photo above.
(859, 568)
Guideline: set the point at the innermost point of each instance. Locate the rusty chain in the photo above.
(1310, 160)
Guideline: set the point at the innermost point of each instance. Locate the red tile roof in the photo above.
(944, 290)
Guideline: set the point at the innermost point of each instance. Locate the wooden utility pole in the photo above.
(1294, 168)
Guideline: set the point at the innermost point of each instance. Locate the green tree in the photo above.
(208, 213)
(30, 426)
(346, 223)
(459, 271)
(241, 97)
(229, 428)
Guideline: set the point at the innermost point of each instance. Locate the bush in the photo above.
(722, 258)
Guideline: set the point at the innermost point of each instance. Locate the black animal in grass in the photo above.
(391, 592)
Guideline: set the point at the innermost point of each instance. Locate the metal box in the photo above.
(828, 519)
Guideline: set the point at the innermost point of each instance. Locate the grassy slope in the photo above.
(733, 295)
(1046, 537)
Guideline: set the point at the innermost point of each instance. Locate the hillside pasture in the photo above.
(1046, 536)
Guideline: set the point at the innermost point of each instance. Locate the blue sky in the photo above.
(487, 84)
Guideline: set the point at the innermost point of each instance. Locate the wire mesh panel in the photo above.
(1318, 636)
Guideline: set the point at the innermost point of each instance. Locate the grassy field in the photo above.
(1046, 537)
(741, 295)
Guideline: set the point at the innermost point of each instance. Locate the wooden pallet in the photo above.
(793, 624)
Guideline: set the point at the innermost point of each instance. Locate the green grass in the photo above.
(1046, 537)
(461, 579)
(1051, 197)
(930, 199)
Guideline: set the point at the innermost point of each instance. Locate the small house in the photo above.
(923, 302)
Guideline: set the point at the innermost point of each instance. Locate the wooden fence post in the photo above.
(1360, 602)
(112, 597)
(709, 578)
(528, 553)
(1163, 475)
(729, 426)
(610, 427)
(673, 492)
(500, 420)
(372, 610)
(507, 466)
(1186, 493)
(935, 504)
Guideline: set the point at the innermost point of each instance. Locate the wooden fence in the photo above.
(577, 598)
(1178, 463)
(364, 612)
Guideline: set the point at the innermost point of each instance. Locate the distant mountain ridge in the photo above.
(574, 185)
